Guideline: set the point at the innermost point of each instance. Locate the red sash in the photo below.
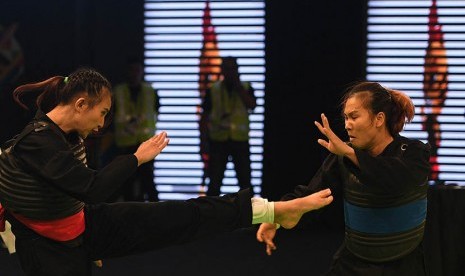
(64, 229)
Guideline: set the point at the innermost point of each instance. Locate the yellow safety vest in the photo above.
(134, 121)
(229, 117)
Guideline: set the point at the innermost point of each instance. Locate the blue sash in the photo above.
(385, 220)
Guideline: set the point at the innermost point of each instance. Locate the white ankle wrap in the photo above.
(262, 210)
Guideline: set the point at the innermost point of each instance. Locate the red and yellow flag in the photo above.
(209, 61)
(435, 85)
(209, 72)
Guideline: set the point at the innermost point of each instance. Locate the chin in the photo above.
(355, 145)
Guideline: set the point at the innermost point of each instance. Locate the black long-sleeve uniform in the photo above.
(110, 229)
(384, 208)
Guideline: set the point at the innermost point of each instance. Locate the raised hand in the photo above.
(149, 149)
(334, 143)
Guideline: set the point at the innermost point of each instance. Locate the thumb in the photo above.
(259, 236)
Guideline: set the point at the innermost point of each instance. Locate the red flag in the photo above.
(210, 61)
(435, 85)
(209, 72)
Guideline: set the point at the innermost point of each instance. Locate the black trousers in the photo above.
(347, 264)
(119, 229)
(219, 156)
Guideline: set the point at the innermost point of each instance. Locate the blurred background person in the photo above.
(136, 109)
(226, 106)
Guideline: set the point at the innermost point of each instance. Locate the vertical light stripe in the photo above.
(397, 41)
(173, 41)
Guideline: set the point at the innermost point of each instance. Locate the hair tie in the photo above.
(65, 80)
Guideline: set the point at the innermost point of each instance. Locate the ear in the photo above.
(380, 119)
(80, 104)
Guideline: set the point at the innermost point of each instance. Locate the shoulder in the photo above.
(331, 161)
(43, 137)
(412, 142)
(413, 147)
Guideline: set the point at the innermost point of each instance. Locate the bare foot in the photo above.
(288, 213)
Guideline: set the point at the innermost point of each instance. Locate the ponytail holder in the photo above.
(65, 80)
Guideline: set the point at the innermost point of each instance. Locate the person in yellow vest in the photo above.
(227, 105)
(136, 109)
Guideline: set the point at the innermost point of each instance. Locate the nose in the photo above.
(347, 125)
(101, 123)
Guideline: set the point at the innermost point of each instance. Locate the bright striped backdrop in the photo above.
(173, 40)
(397, 42)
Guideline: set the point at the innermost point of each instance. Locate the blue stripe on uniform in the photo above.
(385, 220)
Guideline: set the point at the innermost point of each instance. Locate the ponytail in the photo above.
(397, 106)
(46, 93)
(402, 112)
(62, 90)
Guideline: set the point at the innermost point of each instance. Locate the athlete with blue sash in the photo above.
(381, 180)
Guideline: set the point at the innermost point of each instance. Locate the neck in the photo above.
(380, 144)
(62, 116)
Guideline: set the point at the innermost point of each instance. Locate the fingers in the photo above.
(269, 249)
(266, 236)
(270, 246)
(320, 128)
(324, 128)
(157, 138)
(164, 144)
(325, 121)
(160, 140)
(323, 143)
(260, 236)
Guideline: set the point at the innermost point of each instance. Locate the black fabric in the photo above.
(219, 157)
(387, 174)
(377, 247)
(111, 229)
(46, 155)
(346, 264)
(444, 234)
(140, 186)
(121, 229)
(300, 252)
(44, 257)
(26, 193)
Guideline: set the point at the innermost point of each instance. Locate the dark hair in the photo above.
(62, 90)
(231, 59)
(396, 106)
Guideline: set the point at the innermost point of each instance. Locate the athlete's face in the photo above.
(360, 124)
(92, 117)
